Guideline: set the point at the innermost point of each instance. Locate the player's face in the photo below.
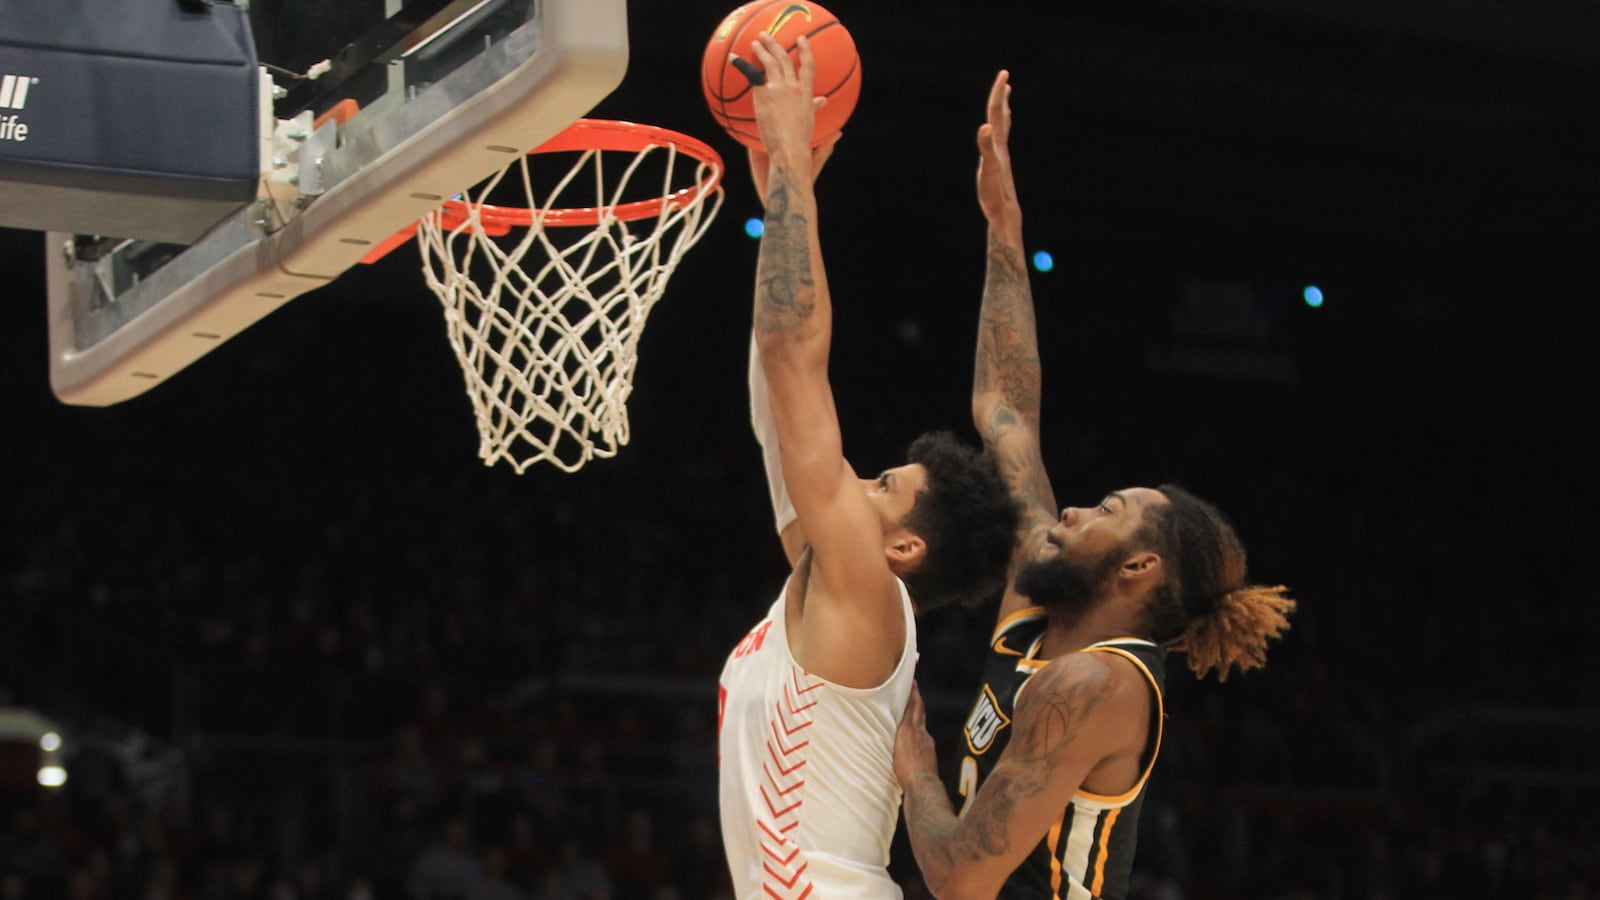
(894, 492)
(1068, 586)
(1088, 533)
(1073, 568)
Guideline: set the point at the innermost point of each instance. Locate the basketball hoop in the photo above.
(547, 333)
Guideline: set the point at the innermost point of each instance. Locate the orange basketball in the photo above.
(838, 68)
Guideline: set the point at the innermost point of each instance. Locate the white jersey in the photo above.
(808, 793)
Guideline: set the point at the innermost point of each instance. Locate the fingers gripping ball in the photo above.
(728, 58)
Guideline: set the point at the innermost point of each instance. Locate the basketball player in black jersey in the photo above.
(1067, 724)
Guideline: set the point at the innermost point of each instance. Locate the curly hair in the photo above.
(1204, 609)
(968, 520)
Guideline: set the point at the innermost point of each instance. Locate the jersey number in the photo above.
(967, 783)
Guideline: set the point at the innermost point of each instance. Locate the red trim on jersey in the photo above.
(786, 882)
(782, 790)
(789, 702)
(786, 751)
(776, 812)
(792, 716)
(779, 763)
(794, 676)
(782, 862)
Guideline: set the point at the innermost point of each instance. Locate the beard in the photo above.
(1066, 587)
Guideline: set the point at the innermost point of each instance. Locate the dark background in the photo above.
(284, 577)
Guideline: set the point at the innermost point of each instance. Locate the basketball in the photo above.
(728, 91)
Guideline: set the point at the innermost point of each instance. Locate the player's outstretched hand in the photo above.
(786, 105)
(914, 753)
(997, 192)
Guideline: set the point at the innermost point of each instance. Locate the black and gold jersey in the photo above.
(1088, 853)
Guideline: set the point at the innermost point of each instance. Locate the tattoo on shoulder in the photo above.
(786, 292)
(1056, 703)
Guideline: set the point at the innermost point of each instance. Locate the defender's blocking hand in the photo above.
(997, 192)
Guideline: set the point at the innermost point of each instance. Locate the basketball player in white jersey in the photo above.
(1065, 728)
(810, 698)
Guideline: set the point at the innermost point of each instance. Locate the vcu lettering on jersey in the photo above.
(985, 722)
(1087, 854)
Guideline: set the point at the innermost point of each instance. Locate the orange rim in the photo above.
(582, 135)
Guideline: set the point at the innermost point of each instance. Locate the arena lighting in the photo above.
(1043, 261)
(52, 776)
(754, 227)
(49, 742)
(1312, 295)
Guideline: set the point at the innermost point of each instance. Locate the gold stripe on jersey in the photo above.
(1029, 664)
(1105, 842)
(1123, 799)
(1053, 839)
(1031, 612)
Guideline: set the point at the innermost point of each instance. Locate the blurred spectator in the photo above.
(526, 852)
(635, 863)
(581, 875)
(492, 883)
(447, 870)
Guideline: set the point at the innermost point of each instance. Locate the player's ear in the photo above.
(1141, 564)
(905, 549)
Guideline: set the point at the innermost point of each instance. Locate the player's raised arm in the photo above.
(852, 595)
(790, 531)
(1071, 717)
(766, 431)
(1005, 376)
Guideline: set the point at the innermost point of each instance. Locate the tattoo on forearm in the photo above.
(785, 289)
(1021, 466)
(1007, 364)
(930, 822)
(1008, 343)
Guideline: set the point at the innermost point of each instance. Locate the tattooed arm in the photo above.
(1005, 377)
(790, 531)
(1077, 713)
(850, 627)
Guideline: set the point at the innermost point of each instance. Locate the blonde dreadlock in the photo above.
(1204, 608)
(1235, 633)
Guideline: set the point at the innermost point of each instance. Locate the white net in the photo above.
(547, 331)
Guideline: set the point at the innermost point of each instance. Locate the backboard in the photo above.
(374, 112)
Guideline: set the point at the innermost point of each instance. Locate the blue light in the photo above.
(1313, 295)
(1043, 261)
(754, 227)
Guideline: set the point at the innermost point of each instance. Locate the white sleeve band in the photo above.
(767, 436)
